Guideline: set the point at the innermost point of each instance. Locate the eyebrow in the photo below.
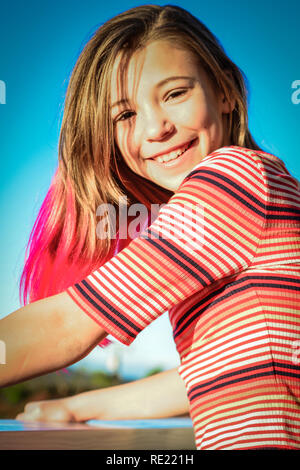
(159, 85)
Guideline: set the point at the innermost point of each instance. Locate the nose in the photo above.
(157, 125)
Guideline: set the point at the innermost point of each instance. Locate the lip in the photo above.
(172, 149)
(179, 160)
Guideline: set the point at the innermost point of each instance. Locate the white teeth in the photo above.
(171, 155)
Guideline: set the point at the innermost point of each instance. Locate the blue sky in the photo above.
(39, 45)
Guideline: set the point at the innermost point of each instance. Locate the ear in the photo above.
(227, 105)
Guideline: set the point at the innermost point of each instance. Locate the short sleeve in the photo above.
(209, 229)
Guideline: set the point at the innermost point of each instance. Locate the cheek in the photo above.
(195, 116)
(123, 140)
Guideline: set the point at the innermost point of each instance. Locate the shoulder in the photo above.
(234, 165)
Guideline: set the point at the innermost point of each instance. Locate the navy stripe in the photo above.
(281, 278)
(277, 286)
(196, 315)
(180, 255)
(293, 210)
(283, 209)
(199, 175)
(242, 379)
(103, 312)
(193, 393)
(296, 218)
(216, 292)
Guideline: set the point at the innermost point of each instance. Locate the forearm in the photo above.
(158, 396)
(41, 338)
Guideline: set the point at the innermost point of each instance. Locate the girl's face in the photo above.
(168, 116)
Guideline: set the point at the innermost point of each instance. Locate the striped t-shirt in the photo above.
(223, 258)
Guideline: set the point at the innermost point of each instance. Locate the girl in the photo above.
(156, 114)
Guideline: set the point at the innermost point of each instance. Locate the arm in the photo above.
(145, 398)
(142, 399)
(45, 336)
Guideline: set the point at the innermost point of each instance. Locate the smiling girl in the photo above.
(174, 117)
(156, 111)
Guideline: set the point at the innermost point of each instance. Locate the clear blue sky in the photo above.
(39, 44)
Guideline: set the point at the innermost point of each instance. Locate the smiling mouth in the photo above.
(167, 157)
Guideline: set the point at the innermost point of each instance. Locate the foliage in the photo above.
(58, 384)
(155, 370)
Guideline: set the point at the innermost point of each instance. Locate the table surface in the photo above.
(167, 433)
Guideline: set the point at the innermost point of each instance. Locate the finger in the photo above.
(25, 417)
(32, 415)
(31, 406)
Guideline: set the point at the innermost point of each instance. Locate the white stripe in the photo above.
(214, 244)
(277, 256)
(275, 439)
(223, 365)
(247, 172)
(124, 275)
(265, 416)
(224, 342)
(186, 369)
(294, 197)
(204, 376)
(245, 405)
(116, 304)
(241, 433)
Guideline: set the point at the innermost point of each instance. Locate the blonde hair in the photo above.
(64, 246)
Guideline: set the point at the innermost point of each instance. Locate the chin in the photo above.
(169, 187)
(171, 184)
(174, 186)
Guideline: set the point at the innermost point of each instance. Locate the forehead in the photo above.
(147, 66)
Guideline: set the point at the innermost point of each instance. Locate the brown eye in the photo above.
(175, 94)
(125, 116)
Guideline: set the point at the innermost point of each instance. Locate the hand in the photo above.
(47, 410)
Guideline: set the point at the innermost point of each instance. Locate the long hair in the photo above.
(64, 245)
